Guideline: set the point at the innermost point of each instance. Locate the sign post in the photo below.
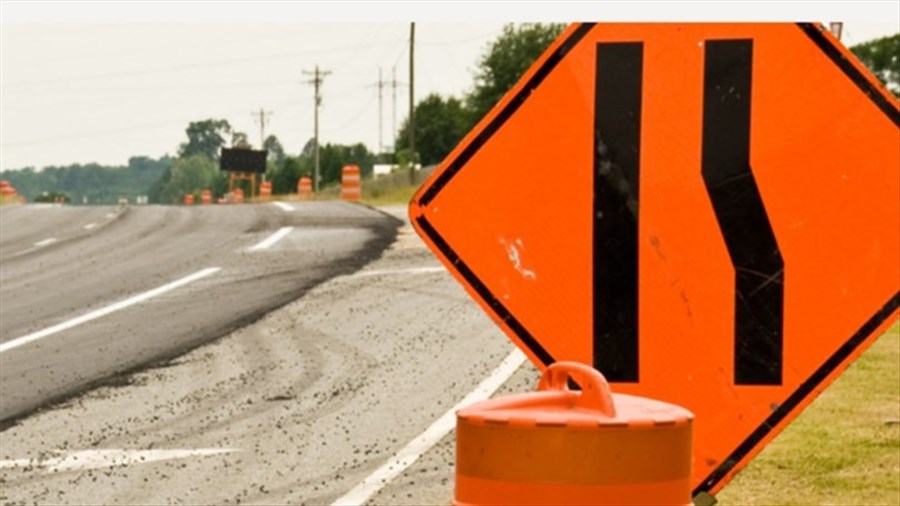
(674, 205)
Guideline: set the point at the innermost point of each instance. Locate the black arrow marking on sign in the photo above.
(736, 200)
(617, 148)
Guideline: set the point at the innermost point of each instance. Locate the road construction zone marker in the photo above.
(206, 197)
(557, 446)
(265, 190)
(697, 245)
(304, 187)
(351, 184)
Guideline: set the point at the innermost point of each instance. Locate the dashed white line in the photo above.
(284, 206)
(434, 433)
(93, 315)
(111, 215)
(45, 242)
(90, 226)
(272, 239)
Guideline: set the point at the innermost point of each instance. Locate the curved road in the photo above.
(328, 399)
(89, 293)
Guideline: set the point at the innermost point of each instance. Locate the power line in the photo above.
(316, 81)
(194, 66)
(262, 124)
(103, 133)
(380, 84)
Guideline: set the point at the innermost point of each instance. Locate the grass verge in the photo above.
(843, 449)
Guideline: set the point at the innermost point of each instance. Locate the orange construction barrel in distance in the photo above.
(351, 185)
(206, 197)
(557, 446)
(6, 189)
(188, 199)
(238, 195)
(304, 187)
(265, 190)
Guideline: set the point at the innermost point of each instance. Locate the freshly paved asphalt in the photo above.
(60, 263)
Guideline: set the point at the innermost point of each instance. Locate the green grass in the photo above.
(17, 199)
(841, 449)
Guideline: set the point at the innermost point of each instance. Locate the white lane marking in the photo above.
(441, 427)
(98, 459)
(90, 226)
(45, 242)
(284, 206)
(111, 215)
(272, 239)
(411, 270)
(93, 315)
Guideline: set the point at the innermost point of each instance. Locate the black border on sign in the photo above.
(801, 393)
(860, 336)
(805, 388)
(858, 78)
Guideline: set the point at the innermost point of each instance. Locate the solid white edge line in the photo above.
(407, 455)
(284, 206)
(90, 226)
(411, 270)
(272, 239)
(93, 315)
(45, 242)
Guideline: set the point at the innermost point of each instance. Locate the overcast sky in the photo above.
(85, 91)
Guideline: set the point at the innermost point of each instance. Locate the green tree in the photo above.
(189, 175)
(240, 140)
(285, 177)
(53, 197)
(882, 57)
(275, 149)
(333, 157)
(99, 184)
(440, 125)
(205, 138)
(504, 62)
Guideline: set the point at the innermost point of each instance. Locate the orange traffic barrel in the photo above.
(238, 195)
(6, 189)
(558, 446)
(206, 197)
(265, 190)
(351, 185)
(188, 199)
(304, 187)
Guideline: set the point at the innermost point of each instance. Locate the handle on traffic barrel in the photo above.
(595, 392)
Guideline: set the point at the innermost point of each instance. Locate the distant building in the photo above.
(381, 169)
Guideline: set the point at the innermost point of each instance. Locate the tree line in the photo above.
(441, 122)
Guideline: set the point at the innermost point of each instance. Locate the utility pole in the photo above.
(380, 84)
(394, 84)
(316, 81)
(263, 119)
(412, 108)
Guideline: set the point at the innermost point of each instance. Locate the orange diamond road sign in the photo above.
(706, 213)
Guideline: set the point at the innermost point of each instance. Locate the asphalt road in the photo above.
(335, 392)
(89, 294)
(299, 407)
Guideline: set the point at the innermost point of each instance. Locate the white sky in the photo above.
(87, 86)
